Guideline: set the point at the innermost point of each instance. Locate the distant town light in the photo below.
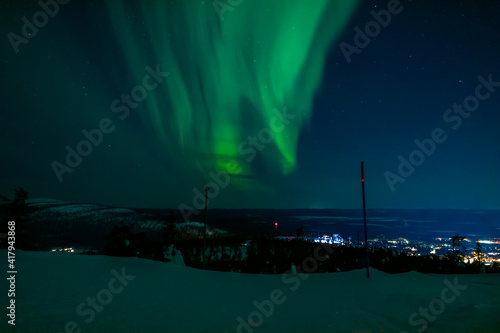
(68, 249)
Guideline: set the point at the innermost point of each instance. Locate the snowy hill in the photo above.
(67, 293)
(89, 214)
(54, 223)
(59, 224)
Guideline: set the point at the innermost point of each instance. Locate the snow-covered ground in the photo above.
(55, 292)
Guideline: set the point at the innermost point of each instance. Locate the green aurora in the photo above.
(232, 69)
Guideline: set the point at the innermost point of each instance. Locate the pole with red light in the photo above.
(364, 220)
(276, 227)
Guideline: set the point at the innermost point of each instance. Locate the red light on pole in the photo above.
(276, 226)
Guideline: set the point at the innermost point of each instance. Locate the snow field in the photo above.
(138, 295)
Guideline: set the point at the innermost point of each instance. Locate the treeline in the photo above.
(266, 255)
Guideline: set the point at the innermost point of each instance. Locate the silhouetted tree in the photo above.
(458, 248)
(119, 242)
(18, 210)
(300, 231)
(478, 253)
(18, 205)
(170, 232)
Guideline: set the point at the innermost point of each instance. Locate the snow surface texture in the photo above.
(138, 295)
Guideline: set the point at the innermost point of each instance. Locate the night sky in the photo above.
(279, 101)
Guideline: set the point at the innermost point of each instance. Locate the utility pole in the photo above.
(205, 228)
(364, 219)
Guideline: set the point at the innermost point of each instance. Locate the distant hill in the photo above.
(60, 224)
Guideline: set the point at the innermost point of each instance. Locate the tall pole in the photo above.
(364, 219)
(205, 228)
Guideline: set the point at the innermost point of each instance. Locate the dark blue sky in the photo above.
(395, 90)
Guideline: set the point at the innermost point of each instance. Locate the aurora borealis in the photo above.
(229, 75)
(260, 90)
